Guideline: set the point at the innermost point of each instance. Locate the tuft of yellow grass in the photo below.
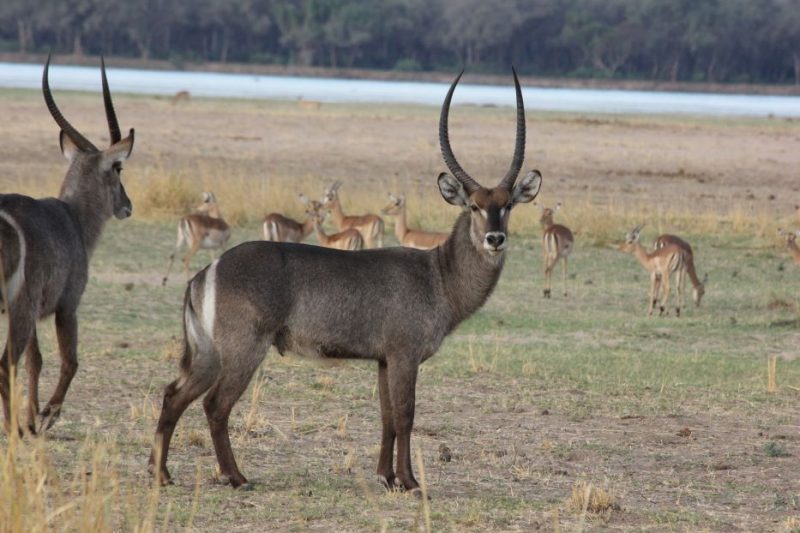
(772, 384)
(586, 498)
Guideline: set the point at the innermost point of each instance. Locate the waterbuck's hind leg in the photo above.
(402, 380)
(67, 333)
(244, 356)
(21, 326)
(385, 471)
(33, 363)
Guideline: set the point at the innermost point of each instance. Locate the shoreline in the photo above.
(392, 75)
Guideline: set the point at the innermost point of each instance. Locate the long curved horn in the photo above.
(519, 149)
(111, 116)
(444, 143)
(80, 141)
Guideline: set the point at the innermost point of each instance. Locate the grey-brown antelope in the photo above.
(557, 243)
(347, 239)
(204, 229)
(394, 306)
(370, 226)
(279, 228)
(791, 243)
(698, 287)
(660, 264)
(411, 238)
(45, 247)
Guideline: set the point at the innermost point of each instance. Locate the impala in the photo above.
(347, 239)
(45, 247)
(557, 243)
(280, 228)
(394, 306)
(410, 238)
(660, 263)
(791, 243)
(698, 287)
(204, 229)
(370, 226)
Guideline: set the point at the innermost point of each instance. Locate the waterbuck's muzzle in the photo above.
(123, 208)
(495, 242)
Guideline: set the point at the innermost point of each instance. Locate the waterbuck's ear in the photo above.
(68, 148)
(118, 152)
(452, 190)
(527, 188)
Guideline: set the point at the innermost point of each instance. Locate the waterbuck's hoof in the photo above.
(245, 487)
(389, 482)
(48, 417)
(163, 476)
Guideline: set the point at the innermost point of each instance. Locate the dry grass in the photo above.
(587, 498)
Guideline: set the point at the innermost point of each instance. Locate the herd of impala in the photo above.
(391, 305)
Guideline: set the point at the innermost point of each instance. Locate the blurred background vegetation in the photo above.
(740, 41)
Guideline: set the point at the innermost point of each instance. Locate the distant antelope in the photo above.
(45, 247)
(557, 241)
(698, 287)
(279, 228)
(411, 238)
(370, 226)
(204, 229)
(181, 96)
(394, 306)
(791, 243)
(347, 239)
(660, 263)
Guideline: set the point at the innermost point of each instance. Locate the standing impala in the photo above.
(394, 306)
(45, 247)
(370, 226)
(280, 228)
(348, 239)
(410, 238)
(698, 287)
(204, 229)
(557, 242)
(791, 243)
(660, 263)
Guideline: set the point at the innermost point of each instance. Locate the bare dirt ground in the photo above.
(669, 416)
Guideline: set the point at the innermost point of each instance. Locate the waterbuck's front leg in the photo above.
(385, 470)
(402, 381)
(33, 363)
(67, 333)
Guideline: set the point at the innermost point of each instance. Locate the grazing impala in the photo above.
(279, 228)
(370, 226)
(204, 229)
(394, 306)
(660, 263)
(410, 238)
(791, 243)
(557, 241)
(45, 247)
(348, 239)
(698, 287)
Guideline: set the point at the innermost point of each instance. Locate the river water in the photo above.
(225, 85)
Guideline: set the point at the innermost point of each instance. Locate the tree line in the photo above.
(741, 41)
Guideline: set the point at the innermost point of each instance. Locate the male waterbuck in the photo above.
(45, 247)
(205, 228)
(394, 306)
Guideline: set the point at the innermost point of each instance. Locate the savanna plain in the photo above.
(578, 412)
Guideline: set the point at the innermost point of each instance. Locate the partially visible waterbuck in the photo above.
(394, 306)
(45, 247)
(205, 228)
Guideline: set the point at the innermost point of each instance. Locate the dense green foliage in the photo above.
(702, 40)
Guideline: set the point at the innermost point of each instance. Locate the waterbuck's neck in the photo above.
(400, 228)
(468, 276)
(91, 210)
